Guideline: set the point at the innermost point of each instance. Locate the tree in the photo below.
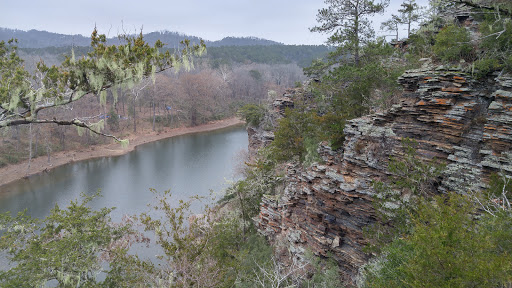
(434, 11)
(433, 239)
(23, 97)
(349, 23)
(69, 246)
(392, 25)
(136, 91)
(295, 134)
(193, 251)
(113, 119)
(410, 13)
(198, 96)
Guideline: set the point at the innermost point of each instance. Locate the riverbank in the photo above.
(38, 165)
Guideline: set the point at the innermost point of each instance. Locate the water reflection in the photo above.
(188, 165)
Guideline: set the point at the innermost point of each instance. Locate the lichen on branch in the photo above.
(24, 95)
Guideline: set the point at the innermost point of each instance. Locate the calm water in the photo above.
(187, 165)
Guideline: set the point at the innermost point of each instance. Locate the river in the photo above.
(188, 165)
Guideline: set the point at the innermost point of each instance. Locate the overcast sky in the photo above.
(285, 21)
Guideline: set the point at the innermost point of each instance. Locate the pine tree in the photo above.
(347, 21)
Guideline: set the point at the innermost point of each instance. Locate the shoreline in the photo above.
(16, 172)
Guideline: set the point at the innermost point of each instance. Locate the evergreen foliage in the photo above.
(452, 43)
(348, 23)
(252, 113)
(113, 119)
(103, 68)
(303, 55)
(427, 239)
(447, 247)
(347, 91)
(410, 13)
(69, 246)
(293, 133)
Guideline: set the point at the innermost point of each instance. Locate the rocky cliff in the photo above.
(465, 122)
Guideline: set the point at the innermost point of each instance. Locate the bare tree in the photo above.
(136, 92)
(199, 94)
(280, 275)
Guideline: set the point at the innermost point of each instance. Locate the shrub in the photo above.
(252, 113)
(452, 44)
(447, 248)
(421, 43)
(293, 133)
(484, 67)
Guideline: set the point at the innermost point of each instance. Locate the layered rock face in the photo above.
(325, 208)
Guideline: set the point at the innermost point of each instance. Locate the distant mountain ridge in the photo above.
(42, 39)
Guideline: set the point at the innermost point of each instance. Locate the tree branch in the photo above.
(74, 122)
(480, 6)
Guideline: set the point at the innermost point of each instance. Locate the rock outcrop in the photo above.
(263, 135)
(464, 122)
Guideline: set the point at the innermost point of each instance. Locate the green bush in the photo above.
(293, 134)
(453, 44)
(331, 127)
(252, 114)
(446, 240)
(165, 120)
(448, 247)
(497, 34)
(66, 249)
(421, 43)
(484, 67)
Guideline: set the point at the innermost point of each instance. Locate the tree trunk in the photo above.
(122, 100)
(62, 138)
(29, 148)
(36, 150)
(134, 116)
(154, 115)
(48, 149)
(356, 44)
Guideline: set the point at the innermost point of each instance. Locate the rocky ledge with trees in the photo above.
(407, 195)
(409, 186)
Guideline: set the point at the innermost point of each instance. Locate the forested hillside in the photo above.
(302, 55)
(53, 47)
(43, 39)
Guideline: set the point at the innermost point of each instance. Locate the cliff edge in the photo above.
(465, 122)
